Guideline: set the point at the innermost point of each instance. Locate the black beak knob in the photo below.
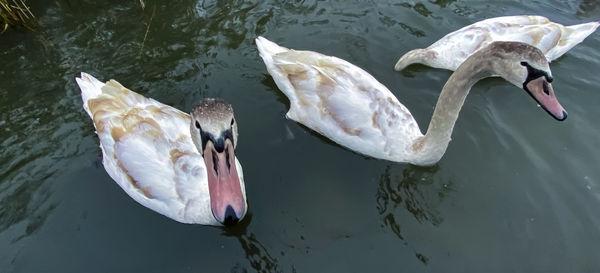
(230, 217)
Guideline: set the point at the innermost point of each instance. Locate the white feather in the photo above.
(449, 52)
(342, 102)
(148, 151)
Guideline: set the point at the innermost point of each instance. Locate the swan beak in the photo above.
(226, 199)
(541, 90)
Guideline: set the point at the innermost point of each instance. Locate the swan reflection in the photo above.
(256, 253)
(408, 188)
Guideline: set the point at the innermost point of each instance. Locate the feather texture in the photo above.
(342, 102)
(346, 104)
(148, 151)
(449, 52)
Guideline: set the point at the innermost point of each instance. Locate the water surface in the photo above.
(516, 190)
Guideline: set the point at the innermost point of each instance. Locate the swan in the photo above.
(450, 51)
(346, 104)
(179, 165)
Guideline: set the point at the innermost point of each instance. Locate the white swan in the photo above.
(449, 52)
(347, 105)
(180, 166)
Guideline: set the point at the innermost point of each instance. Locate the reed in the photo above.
(15, 13)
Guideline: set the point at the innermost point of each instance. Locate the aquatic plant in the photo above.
(15, 13)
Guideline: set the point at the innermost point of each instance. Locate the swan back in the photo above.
(551, 38)
(342, 102)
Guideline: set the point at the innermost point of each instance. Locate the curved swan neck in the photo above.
(433, 145)
(418, 55)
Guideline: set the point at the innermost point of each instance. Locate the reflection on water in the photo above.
(38, 131)
(586, 7)
(464, 10)
(408, 188)
(423, 10)
(269, 84)
(180, 51)
(226, 23)
(256, 253)
(442, 3)
(32, 160)
(26, 204)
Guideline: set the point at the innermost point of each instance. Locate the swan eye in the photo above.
(232, 121)
(197, 124)
(524, 64)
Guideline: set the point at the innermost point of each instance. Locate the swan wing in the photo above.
(148, 151)
(341, 101)
(551, 38)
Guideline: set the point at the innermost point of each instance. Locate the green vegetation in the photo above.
(15, 13)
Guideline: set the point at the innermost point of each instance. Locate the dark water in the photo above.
(516, 191)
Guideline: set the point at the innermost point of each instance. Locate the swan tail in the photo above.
(580, 32)
(267, 49)
(91, 88)
(422, 56)
(274, 57)
(572, 36)
(109, 97)
(584, 29)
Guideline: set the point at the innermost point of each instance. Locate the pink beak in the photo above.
(226, 199)
(541, 90)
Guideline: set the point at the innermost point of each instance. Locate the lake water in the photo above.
(516, 191)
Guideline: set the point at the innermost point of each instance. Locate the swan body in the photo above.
(151, 151)
(449, 52)
(346, 104)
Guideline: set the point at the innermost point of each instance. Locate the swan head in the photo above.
(526, 66)
(214, 132)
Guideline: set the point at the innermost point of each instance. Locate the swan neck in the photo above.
(419, 55)
(448, 106)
